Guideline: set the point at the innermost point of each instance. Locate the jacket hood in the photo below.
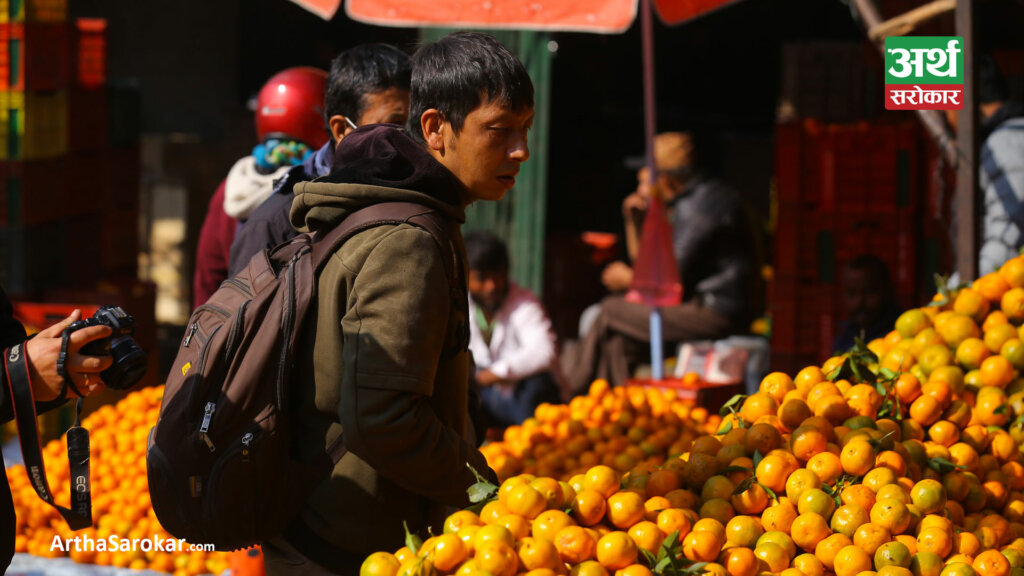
(373, 164)
(246, 188)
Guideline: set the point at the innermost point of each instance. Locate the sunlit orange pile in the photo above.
(120, 505)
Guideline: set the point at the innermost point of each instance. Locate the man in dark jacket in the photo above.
(41, 354)
(389, 356)
(368, 84)
(713, 247)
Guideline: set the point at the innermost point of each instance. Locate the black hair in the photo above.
(364, 69)
(486, 252)
(874, 266)
(456, 73)
(991, 82)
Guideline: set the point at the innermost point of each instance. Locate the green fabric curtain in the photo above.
(519, 218)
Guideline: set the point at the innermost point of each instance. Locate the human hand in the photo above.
(44, 349)
(635, 203)
(617, 276)
(487, 378)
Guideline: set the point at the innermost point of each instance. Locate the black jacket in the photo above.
(713, 244)
(11, 333)
(268, 225)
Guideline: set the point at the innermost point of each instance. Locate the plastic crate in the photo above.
(37, 124)
(125, 114)
(91, 52)
(34, 56)
(37, 192)
(32, 258)
(37, 10)
(88, 123)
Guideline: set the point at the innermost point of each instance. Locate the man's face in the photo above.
(488, 287)
(390, 106)
(486, 153)
(864, 297)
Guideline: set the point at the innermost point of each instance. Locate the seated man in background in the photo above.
(714, 249)
(868, 299)
(510, 336)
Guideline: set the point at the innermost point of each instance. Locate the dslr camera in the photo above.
(129, 360)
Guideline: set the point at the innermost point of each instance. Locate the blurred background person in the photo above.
(869, 301)
(289, 127)
(510, 336)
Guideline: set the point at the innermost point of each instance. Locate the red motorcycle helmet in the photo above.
(291, 105)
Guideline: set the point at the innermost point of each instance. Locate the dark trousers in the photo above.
(502, 409)
(611, 345)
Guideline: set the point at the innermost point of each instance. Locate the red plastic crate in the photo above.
(34, 56)
(88, 119)
(91, 52)
(36, 316)
(36, 192)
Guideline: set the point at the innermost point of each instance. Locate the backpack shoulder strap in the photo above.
(388, 213)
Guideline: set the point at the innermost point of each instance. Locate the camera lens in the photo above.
(129, 364)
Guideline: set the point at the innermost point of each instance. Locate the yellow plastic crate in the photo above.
(35, 10)
(35, 124)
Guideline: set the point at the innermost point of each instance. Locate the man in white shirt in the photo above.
(510, 336)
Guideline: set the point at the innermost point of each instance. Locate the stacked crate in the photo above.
(842, 190)
(65, 221)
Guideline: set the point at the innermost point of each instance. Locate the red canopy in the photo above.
(600, 16)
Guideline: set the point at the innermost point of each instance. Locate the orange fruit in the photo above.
(497, 558)
(741, 562)
(829, 548)
(850, 561)
(743, 531)
(575, 544)
(773, 556)
(625, 509)
(701, 546)
(647, 536)
(991, 563)
(869, 537)
(616, 550)
(380, 564)
(548, 523)
(857, 457)
(673, 520)
(757, 405)
(536, 554)
(809, 529)
(602, 479)
(589, 507)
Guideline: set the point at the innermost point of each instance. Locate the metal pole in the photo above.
(966, 200)
(650, 123)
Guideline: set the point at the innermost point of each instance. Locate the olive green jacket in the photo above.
(385, 315)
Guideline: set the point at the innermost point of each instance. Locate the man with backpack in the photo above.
(385, 364)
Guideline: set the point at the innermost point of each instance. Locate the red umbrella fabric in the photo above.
(598, 16)
(655, 272)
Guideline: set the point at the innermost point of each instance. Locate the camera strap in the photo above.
(19, 381)
(62, 369)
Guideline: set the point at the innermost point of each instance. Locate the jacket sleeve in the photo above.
(394, 328)
(11, 333)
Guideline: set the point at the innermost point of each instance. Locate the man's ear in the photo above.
(339, 127)
(434, 128)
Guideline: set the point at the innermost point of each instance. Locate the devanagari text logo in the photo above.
(924, 73)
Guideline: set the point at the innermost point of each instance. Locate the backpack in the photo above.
(218, 459)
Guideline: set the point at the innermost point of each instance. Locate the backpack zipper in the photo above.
(246, 439)
(191, 333)
(241, 285)
(205, 426)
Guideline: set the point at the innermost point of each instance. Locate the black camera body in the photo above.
(130, 361)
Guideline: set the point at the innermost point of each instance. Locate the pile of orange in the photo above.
(120, 506)
(618, 427)
(901, 461)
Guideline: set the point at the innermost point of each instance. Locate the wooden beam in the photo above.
(905, 23)
(965, 203)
